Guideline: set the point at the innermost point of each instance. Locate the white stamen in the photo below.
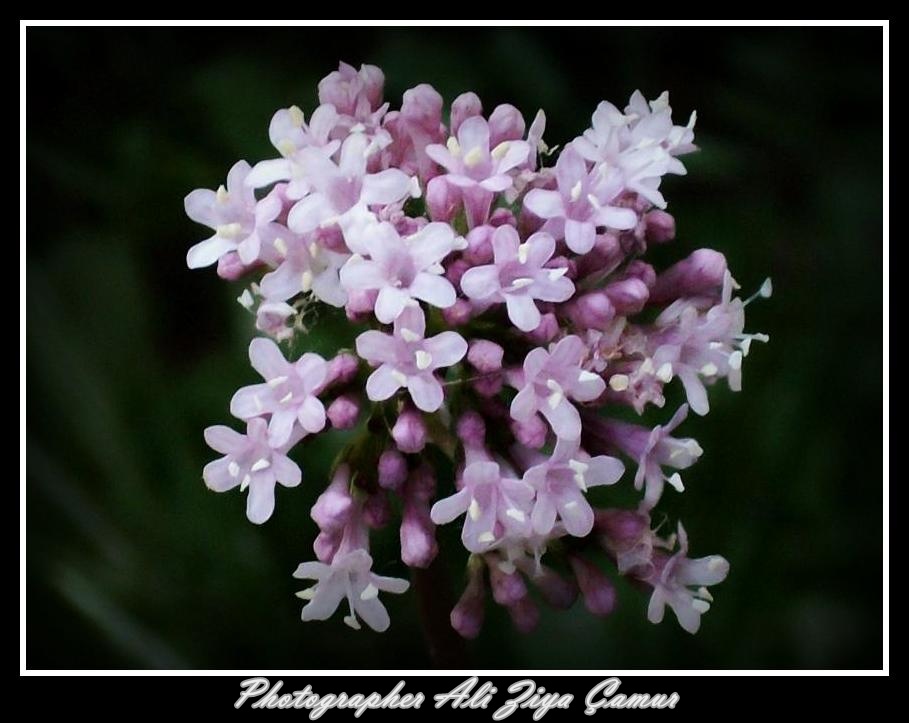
(306, 594)
(222, 195)
(474, 510)
(745, 345)
(415, 190)
(766, 290)
(577, 466)
(245, 299)
(580, 482)
(276, 381)
(306, 280)
(287, 397)
(229, 230)
(453, 146)
(709, 369)
(676, 481)
(664, 373)
(329, 222)
(399, 377)
(424, 359)
(233, 469)
(315, 250)
(523, 252)
(555, 399)
(507, 566)
(500, 150)
(369, 592)
(576, 191)
(735, 360)
(702, 606)
(409, 336)
(352, 622)
(556, 274)
(553, 386)
(286, 147)
(618, 382)
(473, 157)
(436, 268)
(704, 593)
(521, 283)
(358, 128)
(594, 201)
(516, 514)
(586, 376)
(647, 366)
(486, 537)
(296, 116)
(460, 243)
(260, 465)
(716, 345)
(281, 246)
(245, 483)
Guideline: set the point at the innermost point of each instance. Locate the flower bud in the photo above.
(342, 369)
(343, 412)
(392, 469)
(332, 509)
(467, 615)
(442, 199)
(525, 615)
(593, 310)
(531, 433)
(458, 314)
(472, 430)
(485, 356)
(507, 587)
(659, 226)
(230, 268)
(505, 124)
(546, 331)
(409, 432)
(596, 589)
(463, 107)
(628, 296)
(700, 274)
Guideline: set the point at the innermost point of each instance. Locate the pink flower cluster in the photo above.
(506, 311)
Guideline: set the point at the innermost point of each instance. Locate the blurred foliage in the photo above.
(132, 563)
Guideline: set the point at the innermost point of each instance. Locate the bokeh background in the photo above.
(132, 563)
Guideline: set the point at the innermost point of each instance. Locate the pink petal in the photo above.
(480, 282)
(205, 253)
(474, 133)
(431, 244)
(312, 415)
(283, 282)
(385, 187)
(260, 503)
(286, 470)
(545, 204)
(199, 206)
(244, 404)
(564, 419)
(265, 173)
(361, 274)
(224, 439)
(580, 235)
(390, 303)
(446, 348)
(280, 426)
(426, 392)
(450, 508)
(267, 359)
(497, 183)
(217, 475)
(522, 311)
(524, 405)
(374, 346)
(308, 213)
(543, 516)
(576, 514)
(382, 384)
(434, 290)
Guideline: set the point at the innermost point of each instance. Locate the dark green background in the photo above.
(132, 563)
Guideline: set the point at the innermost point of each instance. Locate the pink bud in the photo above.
(659, 227)
(479, 245)
(525, 615)
(621, 528)
(467, 614)
(593, 310)
(342, 369)
(488, 386)
(464, 106)
(230, 268)
(409, 432)
(343, 412)
(442, 199)
(456, 270)
(422, 106)
(502, 217)
(360, 305)
(505, 124)
(458, 314)
(418, 538)
(377, 510)
(507, 587)
(531, 433)
(472, 430)
(597, 590)
(332, 509)
(272, 316)
(485, 356)
(326, 545)
(558, 591)
(641, 270)
(628, 296)
(701, 274)
(546, 331)
(392, 469)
